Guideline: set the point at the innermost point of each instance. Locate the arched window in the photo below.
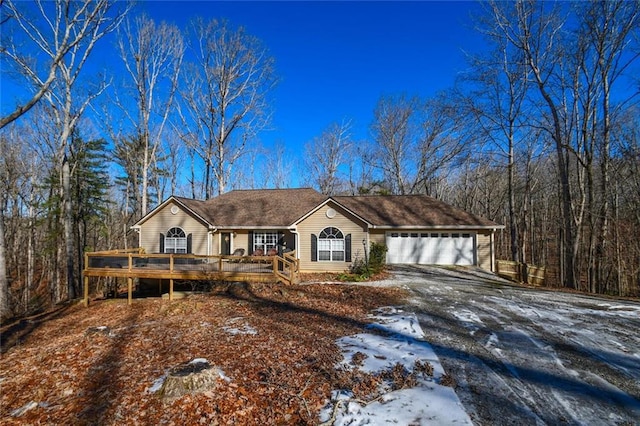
(175, 241)
(331, 245)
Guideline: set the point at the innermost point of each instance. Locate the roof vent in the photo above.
(331, 213)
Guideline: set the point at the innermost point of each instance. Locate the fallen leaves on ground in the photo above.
(275, 344)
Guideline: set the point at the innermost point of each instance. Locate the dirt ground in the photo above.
(515, 355)
(274, 344)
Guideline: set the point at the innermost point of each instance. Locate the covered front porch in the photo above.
(134, 263)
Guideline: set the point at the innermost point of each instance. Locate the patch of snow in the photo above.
(157, 384)
(224, 376)
(468, 319)
(236, 326)
(18, 412)
(396, 340)
(416, 406)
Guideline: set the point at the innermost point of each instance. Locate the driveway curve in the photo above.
(526, 356)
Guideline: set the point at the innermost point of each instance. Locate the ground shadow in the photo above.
(17, 332)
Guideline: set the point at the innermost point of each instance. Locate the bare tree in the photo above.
(152, 55)
(573, 62)
(7, 182)
(605, 56)
(49, 31)
(414, 141)
(536, 33)
(324, 156)
(496, 101)
(224, 98)
(443, 137)
(278, 167)
(65, 33)
(395, 130)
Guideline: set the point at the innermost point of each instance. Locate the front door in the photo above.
(226, 244)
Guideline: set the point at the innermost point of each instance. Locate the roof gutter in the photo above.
(448, 227)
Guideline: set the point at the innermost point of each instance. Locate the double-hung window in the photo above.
(175, 241)
(331, 245)
(265, 241)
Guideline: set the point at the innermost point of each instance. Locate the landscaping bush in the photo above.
(361, 270)
(377, 256)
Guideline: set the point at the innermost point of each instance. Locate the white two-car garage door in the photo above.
(431, 248)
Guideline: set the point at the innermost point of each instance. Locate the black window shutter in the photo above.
(189, 243)
(314, 248)
(347, 248)
(250, 244)
(161, 242)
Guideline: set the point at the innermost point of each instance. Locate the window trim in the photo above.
(174, 243)
(336, 241)
(269, 241)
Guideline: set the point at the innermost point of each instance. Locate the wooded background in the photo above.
(542, 134)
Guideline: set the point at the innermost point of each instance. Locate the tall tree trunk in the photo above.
(513, 226)
(145, 175)
(30, 248)
(603, 223)
(68, 228)
(569, 241)
(5, 309)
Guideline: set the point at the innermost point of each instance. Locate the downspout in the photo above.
(367, 239)
(138, 231)
(492, 248)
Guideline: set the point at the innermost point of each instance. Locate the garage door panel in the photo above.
(431, 248)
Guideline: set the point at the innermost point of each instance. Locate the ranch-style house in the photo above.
(297, 230)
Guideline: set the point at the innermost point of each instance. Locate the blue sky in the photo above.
(335, 59)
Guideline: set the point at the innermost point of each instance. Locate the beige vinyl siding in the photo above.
(483, 244)
(377, 236)
(240, 241)
(315, 223)
(163, 220)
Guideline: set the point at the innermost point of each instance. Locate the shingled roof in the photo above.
(260, 208)
(411, 211)
(281, 208)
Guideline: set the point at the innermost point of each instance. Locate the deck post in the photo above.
(171, 289)
(130, 290)
(86, 292)
(86, 281)
(160, 285)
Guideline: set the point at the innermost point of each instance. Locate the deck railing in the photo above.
(134, 263)
(521, 272)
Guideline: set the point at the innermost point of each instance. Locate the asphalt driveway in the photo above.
(523, 356)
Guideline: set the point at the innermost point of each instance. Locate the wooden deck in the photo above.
(132, 264)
